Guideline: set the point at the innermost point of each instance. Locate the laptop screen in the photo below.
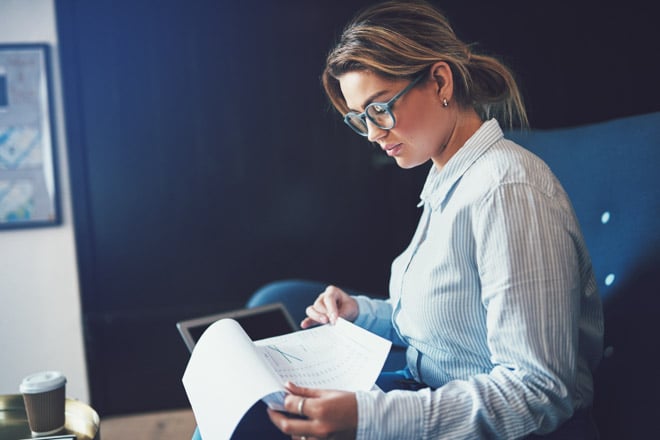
(258, 322)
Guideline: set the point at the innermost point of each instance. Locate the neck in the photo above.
(466, 123)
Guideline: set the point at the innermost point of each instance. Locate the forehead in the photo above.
(361, 87)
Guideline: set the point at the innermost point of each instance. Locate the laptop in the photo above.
(258, 322)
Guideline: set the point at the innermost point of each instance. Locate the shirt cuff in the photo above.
(397, 414)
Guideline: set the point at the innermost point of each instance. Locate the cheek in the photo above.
(424, 128)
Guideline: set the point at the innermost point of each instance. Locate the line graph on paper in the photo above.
(330, 357)
(290, 358)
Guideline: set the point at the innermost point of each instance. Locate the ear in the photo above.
(444, 80)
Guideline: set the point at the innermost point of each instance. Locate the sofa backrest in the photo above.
(610, 172)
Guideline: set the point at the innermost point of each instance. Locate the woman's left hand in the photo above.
(327, 414)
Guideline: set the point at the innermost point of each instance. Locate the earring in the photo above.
(445, 103)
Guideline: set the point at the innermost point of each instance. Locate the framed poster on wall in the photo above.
(28, 181)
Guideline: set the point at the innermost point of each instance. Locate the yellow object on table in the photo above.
(80, 419)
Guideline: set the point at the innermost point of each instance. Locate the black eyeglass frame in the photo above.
(386, 107)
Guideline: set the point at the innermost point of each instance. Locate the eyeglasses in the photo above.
(379, 113)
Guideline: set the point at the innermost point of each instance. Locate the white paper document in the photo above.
(227, 372)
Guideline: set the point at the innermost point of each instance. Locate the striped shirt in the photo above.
(495, 299)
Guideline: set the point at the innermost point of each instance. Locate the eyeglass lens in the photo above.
(377, 113)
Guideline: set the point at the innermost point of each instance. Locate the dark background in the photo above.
(205, 160)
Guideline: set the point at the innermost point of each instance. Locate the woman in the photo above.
(495, 296)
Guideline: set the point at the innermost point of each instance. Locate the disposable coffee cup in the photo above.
(44, 397)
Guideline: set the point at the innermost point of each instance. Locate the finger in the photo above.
(289, 425)
(308, 322)
(298, 391)
(316, 315)
(331, 299)
(332, 310)
(296, 405)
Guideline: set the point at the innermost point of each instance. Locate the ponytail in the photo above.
(494, 92)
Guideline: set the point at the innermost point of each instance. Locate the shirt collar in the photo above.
(440, 182)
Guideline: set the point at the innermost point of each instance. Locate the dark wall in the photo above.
(205, 160)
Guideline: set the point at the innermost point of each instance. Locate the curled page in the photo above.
(225, 376)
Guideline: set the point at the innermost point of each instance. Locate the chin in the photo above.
(407, 164)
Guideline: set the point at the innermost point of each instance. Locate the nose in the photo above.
(374, 132)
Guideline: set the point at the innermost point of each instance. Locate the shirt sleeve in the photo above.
(527, 258)
(375, 315)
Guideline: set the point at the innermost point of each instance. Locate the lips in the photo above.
(392, 149)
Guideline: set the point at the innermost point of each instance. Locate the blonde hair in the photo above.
(400, 39)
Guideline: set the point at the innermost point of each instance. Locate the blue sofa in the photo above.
(609, 171)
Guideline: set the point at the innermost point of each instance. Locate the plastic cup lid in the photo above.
(42, 382)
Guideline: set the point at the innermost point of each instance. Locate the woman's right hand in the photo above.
(331, 304)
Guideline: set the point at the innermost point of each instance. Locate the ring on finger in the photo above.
(301, 404)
